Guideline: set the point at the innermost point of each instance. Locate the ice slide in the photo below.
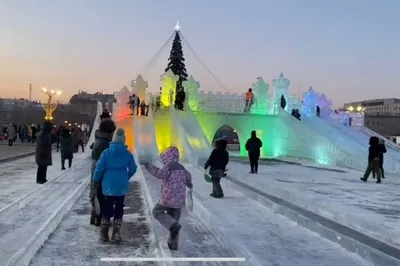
(336, 136)
(361, 138)
(310, 144)
(145, 138)
(192, 131)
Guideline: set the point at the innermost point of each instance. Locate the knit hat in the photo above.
(119, 136)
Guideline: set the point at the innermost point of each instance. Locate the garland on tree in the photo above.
(177, 65)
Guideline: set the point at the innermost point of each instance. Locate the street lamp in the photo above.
(50, 106)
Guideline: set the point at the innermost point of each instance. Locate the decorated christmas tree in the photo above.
(177, 65)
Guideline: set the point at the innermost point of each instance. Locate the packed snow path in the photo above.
(195, 239)
(76, 242)
(18, 177)
(372, 209)
(18, 226)
(273, 239)
(7, 152)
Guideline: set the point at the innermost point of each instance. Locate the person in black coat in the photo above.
(43, 156)
(66, 147)
(382, 149)
(253, 146)
(217, 162)
(283, 102)
(373, 160)
(103, 137)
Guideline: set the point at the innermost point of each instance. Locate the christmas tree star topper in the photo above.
(177, 26)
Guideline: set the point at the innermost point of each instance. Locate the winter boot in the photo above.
(97, 220)
(363, 179)
(92, 218)
(116, 230)
(105, 226)
(173, 236)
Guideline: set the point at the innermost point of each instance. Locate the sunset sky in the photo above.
(349, 49)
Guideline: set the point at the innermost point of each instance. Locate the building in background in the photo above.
(381, 116)
(86, 103)
(377, 107)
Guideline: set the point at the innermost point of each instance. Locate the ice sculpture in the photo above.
(122, 108)
(310, 99)
(324, 106)
(292, 103)
(281, 87)
(191, 87)
(168, 84)
(260, 90)
(139, 87)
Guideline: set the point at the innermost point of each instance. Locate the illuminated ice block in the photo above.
(139, 87)
(261, 97)
(169, 80)
(281, 87)
(122, 109)
(191, 87)
(324, 106)
(309, 105)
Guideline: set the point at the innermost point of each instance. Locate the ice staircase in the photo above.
(317, 147)
(197, 141)
(145, 138)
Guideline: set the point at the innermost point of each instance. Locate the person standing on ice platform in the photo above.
(217, 162)
(175, 178)
(43, 155)
(253, 146)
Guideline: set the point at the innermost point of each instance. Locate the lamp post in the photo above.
(49, 106)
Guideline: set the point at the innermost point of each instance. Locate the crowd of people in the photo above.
(141, 108)
(25, 133)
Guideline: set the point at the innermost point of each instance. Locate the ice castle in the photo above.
(337, 139)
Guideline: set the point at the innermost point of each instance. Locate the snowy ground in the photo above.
(370, 208)
(19, 225)
(196, 239)
(273, 239)
(19, 177)
(7, 151)
(76, 242)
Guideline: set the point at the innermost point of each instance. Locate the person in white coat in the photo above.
(11, 134)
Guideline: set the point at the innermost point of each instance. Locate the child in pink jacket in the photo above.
(175, 178)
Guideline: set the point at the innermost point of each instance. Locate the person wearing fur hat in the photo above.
(103, 136)
(113, 170)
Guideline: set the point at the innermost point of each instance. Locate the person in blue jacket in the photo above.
(113, 170)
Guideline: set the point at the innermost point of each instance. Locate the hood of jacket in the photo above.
(47, 127)
(170, 155)
(221, 144)
(103, 135)
(107, 126)
(117, 148)
(253, 134)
